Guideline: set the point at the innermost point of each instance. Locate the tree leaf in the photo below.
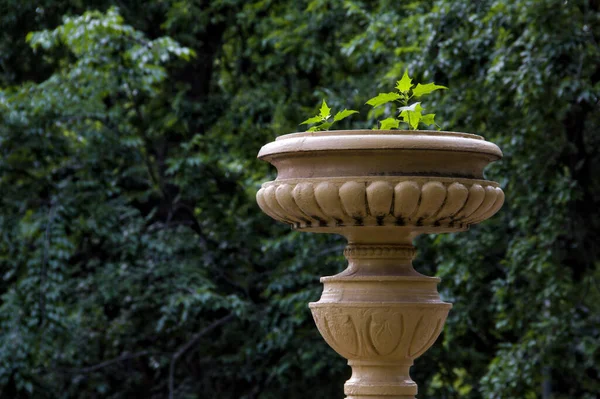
(310, 121)
(325, 126)
(344, 114)
(411, 117)
(421, 90)
(411, 114)
(416, 107)
(383, 98)
(404, 84)
(428, 119)
(325, 110)
(321, 127)
(389, 123)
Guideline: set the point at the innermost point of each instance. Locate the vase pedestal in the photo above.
(380, 313)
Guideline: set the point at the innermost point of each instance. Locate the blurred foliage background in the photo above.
(135, 262)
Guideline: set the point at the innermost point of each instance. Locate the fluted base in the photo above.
(380, 380)
(379, 397)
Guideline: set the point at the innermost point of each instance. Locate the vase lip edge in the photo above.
(388, 140)
(370, 132)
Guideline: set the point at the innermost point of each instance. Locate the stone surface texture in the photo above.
(380, 189)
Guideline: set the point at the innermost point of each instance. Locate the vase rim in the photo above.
(371, 132)
(379, 140)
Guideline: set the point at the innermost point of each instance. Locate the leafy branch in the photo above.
(321, 120)
(410, 114)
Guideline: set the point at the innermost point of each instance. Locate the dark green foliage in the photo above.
(135, 263)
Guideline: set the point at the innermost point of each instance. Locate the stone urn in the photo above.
(380, 189)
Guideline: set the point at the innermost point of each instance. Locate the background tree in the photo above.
(135, 262)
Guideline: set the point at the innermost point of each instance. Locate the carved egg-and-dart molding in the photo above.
(378, 202)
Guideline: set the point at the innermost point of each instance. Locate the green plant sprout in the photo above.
(410, 114)
(320, 121)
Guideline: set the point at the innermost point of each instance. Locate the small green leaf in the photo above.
(325, 126)
(325, 110)
(321, 127)
(421, 90)
(428, 119)
(383, 98)
(412, 118)
(310, 121)
(411, 114)
(404, 84)
(389, 123)
(344, 114)
(416, 107)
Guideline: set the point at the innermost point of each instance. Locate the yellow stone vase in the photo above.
(380, 189)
